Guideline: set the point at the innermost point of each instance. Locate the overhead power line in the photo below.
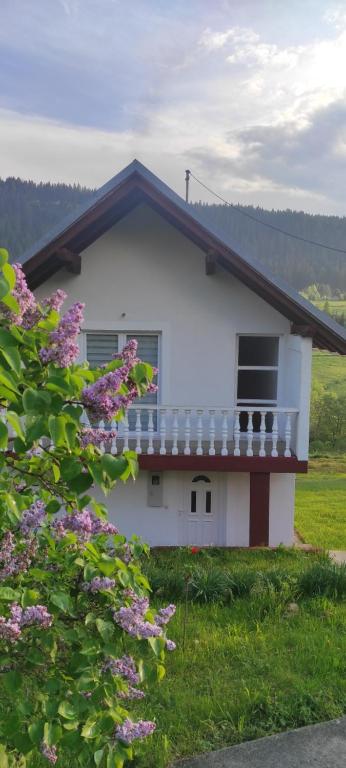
(265, 223)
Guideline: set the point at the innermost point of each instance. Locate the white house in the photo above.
(220, 444)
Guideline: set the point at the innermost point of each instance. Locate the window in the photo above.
(258, 361)
(100, 348)
(257, 379)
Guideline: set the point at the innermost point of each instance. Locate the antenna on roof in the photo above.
(187, 181)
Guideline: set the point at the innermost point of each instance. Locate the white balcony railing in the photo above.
(240, 431)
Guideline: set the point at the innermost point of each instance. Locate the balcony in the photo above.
(174, 431)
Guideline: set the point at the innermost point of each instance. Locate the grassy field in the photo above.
(329, 370)
(321, 503)
(250, 668)
(335, 305)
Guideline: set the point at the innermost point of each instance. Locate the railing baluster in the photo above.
(249, 450)
(262, 450)
(199, 450)
(126, 433)
(150, 430)
(275, 434)
(288, 432)
(236, 433)
(211, 433)
(187, 449)
(138, 431)
(114, 449)
(163, 431)
(102, 445)
(224, 433)
(175, 431)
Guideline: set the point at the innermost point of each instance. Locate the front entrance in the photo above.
(202, 516)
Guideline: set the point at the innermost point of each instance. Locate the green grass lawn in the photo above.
(335, 305)
(329, 370)
(248, 669)
(321, 503)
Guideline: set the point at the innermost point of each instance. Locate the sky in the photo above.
(248, 94)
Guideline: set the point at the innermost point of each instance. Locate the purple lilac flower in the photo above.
(131, 693)
(49, 752)
(33, 517)
(85, 524)
(63, 348)
(132, 618)
(9, 630)
(96, 437)
(124, 667)
(102, 398)
(164, 615)
(14, 563)
(56, 300)
(129, 731)
(129, 352)
(28, 309)
(36, 614)
(170, 645)
(98, 583)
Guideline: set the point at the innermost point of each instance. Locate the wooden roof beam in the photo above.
(70, 260)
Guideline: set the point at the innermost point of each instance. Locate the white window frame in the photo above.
(122, 329)
(277, 368)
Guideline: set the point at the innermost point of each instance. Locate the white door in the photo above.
(201, 512)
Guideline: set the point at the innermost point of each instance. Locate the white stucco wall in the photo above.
(145, 268)
(167, 525)
(281, 509)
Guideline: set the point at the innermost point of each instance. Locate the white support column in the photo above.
(199, 450)
(224, 433)
(236, 433)
(288, 432)
(163, 431)
(262, 450)
(126, 433)
(150, 430)
(187, 449)
(138, 431)
(249, 451)
(275, 435)
(211, 433)
(175, 431)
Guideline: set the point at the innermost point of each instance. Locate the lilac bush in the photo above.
(79, 643)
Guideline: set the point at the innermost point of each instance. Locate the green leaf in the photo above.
(67, 710)
(3, 757)
(3, 435)
(30, 597)
(81, 483)
(11, 303)
(4, 287)
(3, 256)
(98, 755)
(13, 359)
(106, 629)
(53, 506)
(57, 430)
(158, 645)
(35, 732)
(7, 593)
(113, 466)
(7, 339)
(12, 681)
(14, 420)
(10, 275)
(36, 402)
(8, 381)
(52, 733)
(63, 601)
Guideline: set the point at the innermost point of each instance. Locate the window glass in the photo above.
(101, 347)
(258, 350)
(257, 385)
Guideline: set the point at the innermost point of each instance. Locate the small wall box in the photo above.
(155, 489)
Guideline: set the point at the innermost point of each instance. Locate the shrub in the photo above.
(324, 578)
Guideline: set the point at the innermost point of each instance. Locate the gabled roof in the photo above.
(135, 184)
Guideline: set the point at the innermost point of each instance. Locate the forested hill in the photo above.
(29, 210)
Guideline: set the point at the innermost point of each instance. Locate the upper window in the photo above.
(258, 363)
(102, 346)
